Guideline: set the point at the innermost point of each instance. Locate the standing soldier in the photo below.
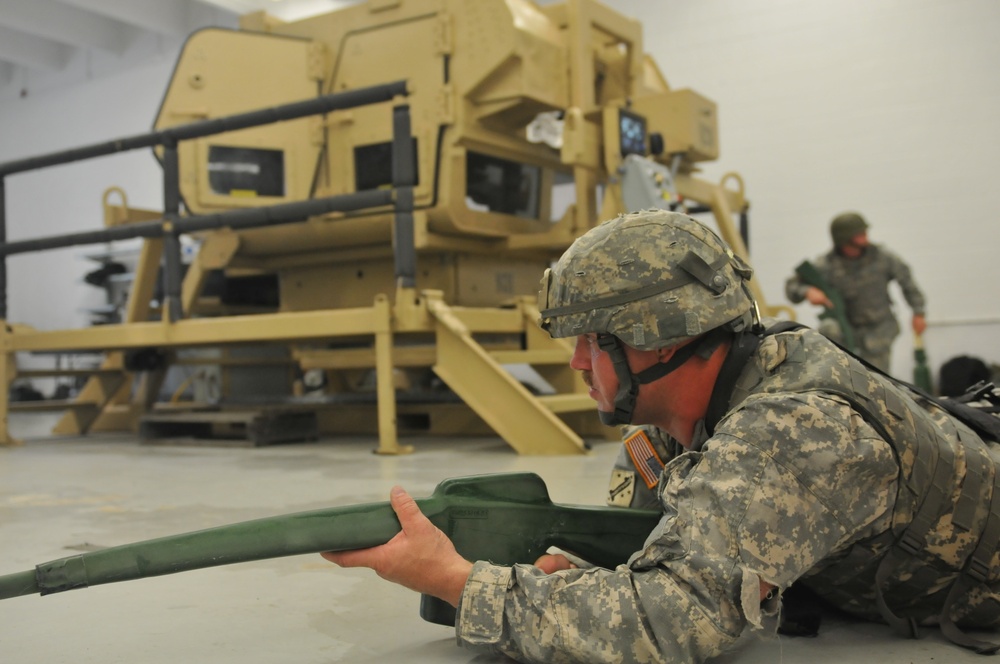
(858, 272)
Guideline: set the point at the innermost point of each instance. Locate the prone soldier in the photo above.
(774, 456)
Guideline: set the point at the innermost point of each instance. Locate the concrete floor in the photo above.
(61, 495)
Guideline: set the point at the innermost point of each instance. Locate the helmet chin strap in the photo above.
(628, 382)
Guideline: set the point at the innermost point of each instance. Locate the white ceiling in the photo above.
(44, 37)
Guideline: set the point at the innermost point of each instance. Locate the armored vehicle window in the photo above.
(246, 171)
(373, 166)
(502, 185)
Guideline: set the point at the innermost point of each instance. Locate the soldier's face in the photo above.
(856, 246)
(597, 370)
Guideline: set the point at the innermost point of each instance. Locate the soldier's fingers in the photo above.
(355, 558)
(550, 563)
(405, 507)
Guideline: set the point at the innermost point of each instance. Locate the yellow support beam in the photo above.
(388, 442)
(282, 327)
(8, 370)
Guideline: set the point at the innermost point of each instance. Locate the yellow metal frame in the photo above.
(526, 422)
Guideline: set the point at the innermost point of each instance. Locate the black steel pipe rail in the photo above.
(325, 104)
(172, 226)
(236, 219)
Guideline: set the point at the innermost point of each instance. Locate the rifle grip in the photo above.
(437, 611)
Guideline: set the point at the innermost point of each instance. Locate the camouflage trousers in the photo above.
(872, 343)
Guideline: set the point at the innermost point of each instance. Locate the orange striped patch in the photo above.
(644, 457)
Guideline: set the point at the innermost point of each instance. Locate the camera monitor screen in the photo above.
(632, 131)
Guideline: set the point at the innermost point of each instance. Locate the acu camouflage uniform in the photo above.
(814, 469)
(793, 484)
(864, 284)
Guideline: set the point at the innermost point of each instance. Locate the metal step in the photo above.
(231, 428)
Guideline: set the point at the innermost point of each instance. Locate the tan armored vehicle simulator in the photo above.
(382, 187)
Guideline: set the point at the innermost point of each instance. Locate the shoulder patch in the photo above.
(647, 462)
(622, 488)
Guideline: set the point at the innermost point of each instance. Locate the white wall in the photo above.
(45, 288)
(888, 107)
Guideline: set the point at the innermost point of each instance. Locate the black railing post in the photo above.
(171, 238)
(3, 240)
(403, 179)
(745, 229)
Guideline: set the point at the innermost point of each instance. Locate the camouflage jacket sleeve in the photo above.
(786, 481)
(900, 271)
(795, 288)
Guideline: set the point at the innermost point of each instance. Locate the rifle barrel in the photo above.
(507, 518)
(332, 529)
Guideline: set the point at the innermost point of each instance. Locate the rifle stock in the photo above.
(506, 518)
(811, 276)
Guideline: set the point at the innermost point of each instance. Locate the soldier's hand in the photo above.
(919, 324)
(420, 557)
(554, 562)
(816, 296)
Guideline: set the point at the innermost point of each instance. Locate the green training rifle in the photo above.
(506, 518)
(810, 275)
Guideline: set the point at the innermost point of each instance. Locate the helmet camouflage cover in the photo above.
(652, 278)
(846, 226)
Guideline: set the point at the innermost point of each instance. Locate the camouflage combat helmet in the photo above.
(652, 278)
(649, 279)
(845, 227)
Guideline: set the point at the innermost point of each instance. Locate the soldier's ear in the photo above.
(664, 354)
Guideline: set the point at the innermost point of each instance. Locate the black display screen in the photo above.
(632, 133)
